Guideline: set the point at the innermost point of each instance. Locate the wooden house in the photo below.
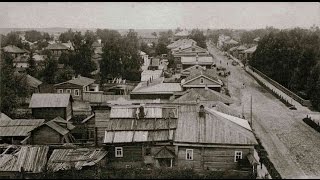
(56, 131)
(14, 51)
(22, 162)
(202, 79)
(77, 86)
(182, 34)
(51, 105)
(17, 131)
(181, 42)
(32, 83)
(211, 140)
(141, 136)
(189, 50)
(58, 48)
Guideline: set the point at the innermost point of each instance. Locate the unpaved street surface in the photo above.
(292, 146)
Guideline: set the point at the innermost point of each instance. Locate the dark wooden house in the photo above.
(138, 136)
(56, 131)
(51, 105)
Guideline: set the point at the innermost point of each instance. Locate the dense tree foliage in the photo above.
(12, 38)
(32, 68)
(198, 36)
(120, 56)
(33, 36)
(66, 36)
(292, 58)
(12, 87)
(48, 74)
(64, 74)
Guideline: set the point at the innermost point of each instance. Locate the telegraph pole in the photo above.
(251, 112)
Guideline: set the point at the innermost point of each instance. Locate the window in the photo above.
(201, 81)
(68, 91)
(148, 151)
(237, 155)
(60, 90)
(189, 154)
(119, 152)
(76, 92)
(91, 134)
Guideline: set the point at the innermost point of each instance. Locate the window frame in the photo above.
(76, 90)
(68, 90)
(60, 91)
(190, 155)
(118, 149)
(237, 155)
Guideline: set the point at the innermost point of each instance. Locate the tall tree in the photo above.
(198, 36)
(33, 36)
(50, 70)
(32, 68)
(64, 74)
(9, 98)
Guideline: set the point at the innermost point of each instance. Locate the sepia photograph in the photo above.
(159, 90)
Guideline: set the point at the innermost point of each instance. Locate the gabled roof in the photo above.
(80, 80)
(204, 95)
(164, 153)
(60, 158)
(18, 127)
(198, 74)
(189, 48)
(189, 69)
(55, 124)
(30, 81)
(215, 128)
(31, 158)
(13, 49)
(42, 100)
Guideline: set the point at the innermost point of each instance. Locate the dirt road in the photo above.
(293, 146)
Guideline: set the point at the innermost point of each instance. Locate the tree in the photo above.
(64, 74)
(33, 36)
(66, 36)
(47, 37)
(32, 68)
(9, 98)
(50, 70)
(198, 36)
(154, 34)
(12, 38)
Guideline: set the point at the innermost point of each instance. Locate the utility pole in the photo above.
(251, 112)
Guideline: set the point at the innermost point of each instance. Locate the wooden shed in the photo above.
(51, 105)
(56, 131)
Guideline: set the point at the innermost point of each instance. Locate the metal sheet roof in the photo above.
(18, 127)
(137, 136)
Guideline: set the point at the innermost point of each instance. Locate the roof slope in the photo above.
(41, 100)
(204, 95)
(193, 60)
(19, 127)
(57, 46)
(80, 80)
(60, 158)
(57, 123)
(213, 129)
(30, 80)
(30, 158)
(13, 49)
(157, 86)
(4, 117)
(196, 74)
(22, 58)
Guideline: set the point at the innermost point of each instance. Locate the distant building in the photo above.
(148, 75)
(77, 87)
(51, 105)
(146, 60)
(202, 79)
(149, 39)
(182, 34)
(182, 42)
(32, 83)
(14, 51)
(189, 50)
(155, 89)
(58, 48)
(188, 61)
(248, 53)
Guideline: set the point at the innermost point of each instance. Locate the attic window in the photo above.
(201, 81)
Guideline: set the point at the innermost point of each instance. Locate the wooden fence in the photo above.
(291, 94)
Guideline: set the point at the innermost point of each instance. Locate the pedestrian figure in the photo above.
(220, 61)
(227, 64)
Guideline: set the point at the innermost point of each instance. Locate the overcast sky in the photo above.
(159, 15)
